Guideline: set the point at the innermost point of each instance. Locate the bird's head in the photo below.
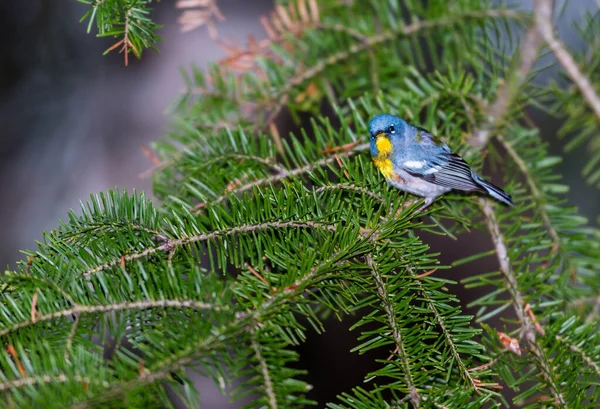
(385, 131)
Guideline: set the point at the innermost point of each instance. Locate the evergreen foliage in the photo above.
(258, 234)
(127, 20)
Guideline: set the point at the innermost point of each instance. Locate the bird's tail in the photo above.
(494, 191)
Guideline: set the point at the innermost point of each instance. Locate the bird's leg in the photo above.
(428, 202)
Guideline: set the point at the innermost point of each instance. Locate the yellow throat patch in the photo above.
(382, 161)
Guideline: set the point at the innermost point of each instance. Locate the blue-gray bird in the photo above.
(413, 160)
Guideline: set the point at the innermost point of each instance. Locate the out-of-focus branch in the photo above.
(543, 22)
(541, 31)
(508, 91)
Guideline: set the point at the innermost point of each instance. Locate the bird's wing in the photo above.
(439, 165)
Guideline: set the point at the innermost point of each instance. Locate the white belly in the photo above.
(417, 186)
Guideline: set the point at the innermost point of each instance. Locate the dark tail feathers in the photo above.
(495, 192)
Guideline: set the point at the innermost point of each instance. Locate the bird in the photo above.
(413, 160)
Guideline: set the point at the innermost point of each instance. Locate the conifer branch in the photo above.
(352, 188)
(326, 239)
(90, 309)
(390, 313)
(243, 322)
(58, 378)
(69, 343)
(281, 97)
(264, 369)
(588, 360)
(170, 244)
(285, 174)
(526, 323)
(447, 336)
(299, 284)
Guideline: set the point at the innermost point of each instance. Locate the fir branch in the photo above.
(269, 162)
(299, 283)
(171, 244)
(264, 370)
(71, 336)
(543, 20)
(526, 322)
(91, 309)
(476, 385)
(128, 20)
(352, 188)
(58, 378)
(390, 313)
(281, 97)
(243, 322)
(285, 174)
(581, 353)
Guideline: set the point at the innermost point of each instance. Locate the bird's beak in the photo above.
(381, 135)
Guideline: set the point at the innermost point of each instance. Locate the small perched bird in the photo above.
(413, 160)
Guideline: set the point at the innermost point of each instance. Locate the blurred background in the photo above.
(72, 122)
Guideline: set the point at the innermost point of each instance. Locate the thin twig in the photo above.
(352, 188)
(71, 336)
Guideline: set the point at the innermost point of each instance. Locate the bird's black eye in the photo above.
(391, 129)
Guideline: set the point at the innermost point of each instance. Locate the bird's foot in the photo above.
(428, 202)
